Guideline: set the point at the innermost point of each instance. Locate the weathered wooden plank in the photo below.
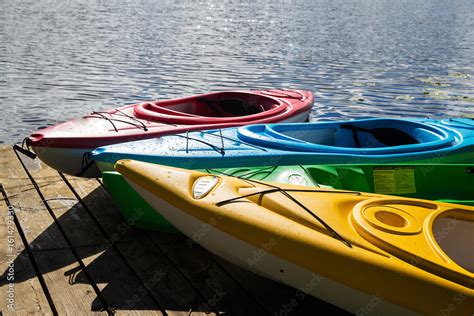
(103, 264)
(16, 296)
(43, 234)
(37, 224)
(122, 292)
(162, 278)
(70, 295)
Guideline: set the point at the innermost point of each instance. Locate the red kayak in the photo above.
(65, 146)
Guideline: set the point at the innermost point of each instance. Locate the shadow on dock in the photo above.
(75, 252)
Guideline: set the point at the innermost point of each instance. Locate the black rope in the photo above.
(101, 114)
(232, 139)
(103, 117)
(187, 141)
(336, 234)
(249, 174)
(289, 196)
(231, 200)
(220, 150)
(216, 148)
(141, 126)
(222, 142)
(265, 170)
(132, 118)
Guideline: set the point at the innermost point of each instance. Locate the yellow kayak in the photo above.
(362, 252)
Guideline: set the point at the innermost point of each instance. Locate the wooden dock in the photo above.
(66, 250)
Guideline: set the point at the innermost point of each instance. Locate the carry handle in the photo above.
(24, 151)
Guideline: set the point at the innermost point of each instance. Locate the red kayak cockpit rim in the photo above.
(220, 107)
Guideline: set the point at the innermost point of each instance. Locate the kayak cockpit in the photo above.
(216, 107)
(371, 136)
(454, 235)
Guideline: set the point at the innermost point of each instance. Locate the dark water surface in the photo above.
(61, 59)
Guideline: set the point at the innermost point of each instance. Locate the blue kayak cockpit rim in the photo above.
(352, 137)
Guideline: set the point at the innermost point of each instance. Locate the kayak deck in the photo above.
(78, 252)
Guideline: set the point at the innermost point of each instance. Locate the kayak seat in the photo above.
(231, 107)
(155, 107)
(388, 136)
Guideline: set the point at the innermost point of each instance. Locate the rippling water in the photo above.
(61, 59)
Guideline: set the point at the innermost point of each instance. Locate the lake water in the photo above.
(61, 59)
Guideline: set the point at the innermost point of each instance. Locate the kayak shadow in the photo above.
(106, 267)
(130, 269)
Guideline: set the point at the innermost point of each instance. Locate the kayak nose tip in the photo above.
(124, 161)
(308, 94)
(34, 138)
(122, 165)
(98, 151)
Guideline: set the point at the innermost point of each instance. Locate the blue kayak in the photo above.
(337, 142)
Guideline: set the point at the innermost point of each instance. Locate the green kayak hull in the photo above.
(447, 183)
(134, 208)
